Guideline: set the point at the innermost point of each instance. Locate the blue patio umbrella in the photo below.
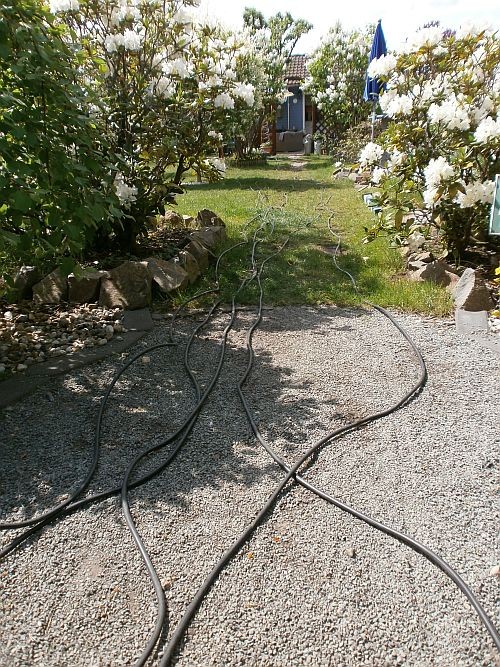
(372, 84)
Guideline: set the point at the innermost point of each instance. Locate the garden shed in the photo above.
(296, 116)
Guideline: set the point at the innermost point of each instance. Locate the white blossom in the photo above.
(130, 40)
(382, 66)
(428, 37)
(124, 12)
(377, 174)
(125, 193)
(450, 113)
(165, 87)
(215, 135)
(370, 154)
(64, 6)
(476, 193)
(224, 100)
(486, 130)
(218, 163)
(400, 105)
(246, 92)
(177, 67)
(436, 172)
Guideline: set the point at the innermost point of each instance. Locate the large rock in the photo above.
(189, 264)
(471, 293)
(51, 289)
(168, 275)
(437, 272)
(173, 219)
(85, 288)
(199, 252)
(207, 218)
(209, 236)
(24, 279)
(128, 286)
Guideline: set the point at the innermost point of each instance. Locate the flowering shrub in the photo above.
(165, 80)
(56, 179)
(336, 79)
(274, 40)
(442, 147)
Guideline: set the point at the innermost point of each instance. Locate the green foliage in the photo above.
(55, 168)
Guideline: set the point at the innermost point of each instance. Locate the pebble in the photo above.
(299, 600)
(31, 336)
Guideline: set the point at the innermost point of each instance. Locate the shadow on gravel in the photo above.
(48, 437)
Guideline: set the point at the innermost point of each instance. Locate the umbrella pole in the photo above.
(374, 104)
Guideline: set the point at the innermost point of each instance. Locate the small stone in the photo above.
(495, 571)
(146, 360)
(351, 552)
(2, 368)
(102, 341)
(8, 315)
(21, 367)
(118, 328)
(22, 318)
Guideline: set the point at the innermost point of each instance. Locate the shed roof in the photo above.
(296, 69)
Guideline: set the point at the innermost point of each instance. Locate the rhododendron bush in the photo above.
(167, 85)
(336, 79)
(441, 150)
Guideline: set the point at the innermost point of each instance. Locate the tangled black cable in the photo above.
(292, 474)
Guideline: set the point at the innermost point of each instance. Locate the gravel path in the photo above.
(313, 586)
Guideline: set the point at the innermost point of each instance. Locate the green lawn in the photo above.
(303, 273)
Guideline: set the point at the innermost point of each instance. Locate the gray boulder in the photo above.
(24, 279)
(173, 219)
(199, 252)
(207, 218)
(51, 289)
(437, 272)
(168, 275)
(128, 286)
(209, 236)
(85, 288)
(471, 293)
(189, 264)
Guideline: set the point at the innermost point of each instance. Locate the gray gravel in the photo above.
(313, 586)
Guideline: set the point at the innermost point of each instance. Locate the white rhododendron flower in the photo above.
(218, 163)
(436, 172)
(450, 113)
(64, 6)
(125, 193)
(130, 40)
(224, 100)
(428, 37)
(165, 87)
(370, 154)
(177, 67)
(183, 16)
(246, 92)
(215, 135)
(486, 130)
(397, 158)
(124, 12)
(382, 66)
(400, 105)
(377, 174)
(476, 193)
